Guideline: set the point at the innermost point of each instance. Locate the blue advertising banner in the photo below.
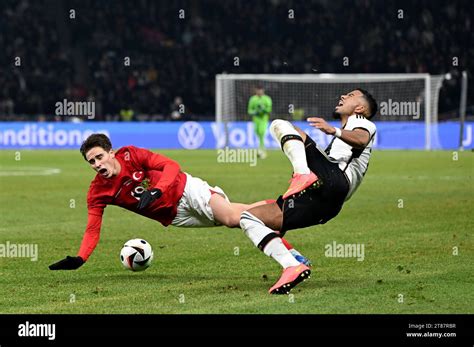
(211, 135)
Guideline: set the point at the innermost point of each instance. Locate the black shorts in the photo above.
(316, 205)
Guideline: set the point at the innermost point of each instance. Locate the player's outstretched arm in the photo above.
(357, 138)
(89, 242)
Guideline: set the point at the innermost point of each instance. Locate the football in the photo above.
(136, 255)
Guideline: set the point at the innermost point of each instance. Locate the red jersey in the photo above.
(140, 169)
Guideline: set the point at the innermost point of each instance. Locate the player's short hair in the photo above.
(95, 140)
(371, 101)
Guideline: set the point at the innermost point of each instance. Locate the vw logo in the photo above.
(191, 135)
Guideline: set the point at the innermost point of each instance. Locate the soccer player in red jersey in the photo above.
(153, 186)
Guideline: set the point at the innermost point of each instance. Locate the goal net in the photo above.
(400, 97)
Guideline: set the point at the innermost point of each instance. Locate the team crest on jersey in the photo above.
(138, 175)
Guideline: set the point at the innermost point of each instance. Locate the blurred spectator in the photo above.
(177, 109)
(6, 106)
(143, 53)
(126, 114)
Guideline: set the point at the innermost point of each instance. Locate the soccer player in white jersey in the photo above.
(322, 181)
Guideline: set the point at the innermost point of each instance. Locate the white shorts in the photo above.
(194, 208)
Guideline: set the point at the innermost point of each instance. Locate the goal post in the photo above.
(400, 97)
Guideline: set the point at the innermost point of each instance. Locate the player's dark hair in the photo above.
(95, 140)
(371, 101)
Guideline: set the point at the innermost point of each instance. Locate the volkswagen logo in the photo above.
(191, 135)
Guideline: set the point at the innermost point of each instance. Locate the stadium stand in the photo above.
(85, 57)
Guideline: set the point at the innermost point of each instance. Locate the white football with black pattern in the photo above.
(136, 255)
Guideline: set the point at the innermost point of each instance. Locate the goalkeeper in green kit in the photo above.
(259, 108)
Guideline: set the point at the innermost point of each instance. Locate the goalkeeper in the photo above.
(259, 108)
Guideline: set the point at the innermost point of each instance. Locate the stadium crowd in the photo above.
(144, 55)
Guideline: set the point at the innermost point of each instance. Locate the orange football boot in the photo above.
(300, 182)
(290, 277)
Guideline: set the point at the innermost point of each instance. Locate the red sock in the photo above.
(286, 243)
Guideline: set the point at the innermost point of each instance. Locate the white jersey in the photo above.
(352, 161)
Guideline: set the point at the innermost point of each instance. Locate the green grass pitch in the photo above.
(413, 214)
